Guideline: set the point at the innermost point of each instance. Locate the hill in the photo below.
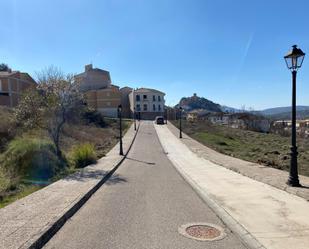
(282, 110)
(303, 114)
(198, 103)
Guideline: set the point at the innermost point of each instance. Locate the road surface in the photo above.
(141, 206)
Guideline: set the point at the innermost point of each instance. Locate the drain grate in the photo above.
(202, 231)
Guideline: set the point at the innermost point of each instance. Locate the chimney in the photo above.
(88, 67)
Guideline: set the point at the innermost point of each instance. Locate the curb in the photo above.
(246, 238)
(286, 188)
(54, 228)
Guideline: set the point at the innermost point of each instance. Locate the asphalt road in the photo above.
(141, 206)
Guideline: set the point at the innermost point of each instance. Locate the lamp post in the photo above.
(134, 118)
(180, 126)
(120, 129)
(294, 60)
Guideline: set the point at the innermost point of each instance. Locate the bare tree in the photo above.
(57, 95)
(243, 108)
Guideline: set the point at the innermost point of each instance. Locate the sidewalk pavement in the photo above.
(262, 215)
(31, 221)
(274, 177)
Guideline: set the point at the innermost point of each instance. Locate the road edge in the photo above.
(247, 239)
(56, 226)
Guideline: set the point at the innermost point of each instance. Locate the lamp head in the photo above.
(294, 58)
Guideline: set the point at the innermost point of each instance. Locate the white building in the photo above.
(148, 103)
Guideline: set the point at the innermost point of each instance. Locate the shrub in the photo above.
(30, 158)
(83, 155)
(7, 126)
(94, 117)
(4, 182)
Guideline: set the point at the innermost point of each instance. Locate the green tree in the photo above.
(4, 67)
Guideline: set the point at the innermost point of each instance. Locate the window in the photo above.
(138, 107)
(138, 98)
(153, 107)
(144, 96)
(108, 103)
(108, 94)
(159, 98)
(159, 107)
(153, 98)
(145, 107)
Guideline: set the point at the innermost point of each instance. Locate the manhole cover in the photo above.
(202, 231)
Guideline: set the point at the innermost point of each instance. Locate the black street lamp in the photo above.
(180, 118)
(134, 118)
(120, 129)
(294, 60)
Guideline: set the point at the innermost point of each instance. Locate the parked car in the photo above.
(159, 120)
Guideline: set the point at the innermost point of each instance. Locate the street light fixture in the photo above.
(180, 125)
(120, 129)
(294, 60)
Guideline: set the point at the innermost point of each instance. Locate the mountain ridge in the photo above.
(202, 104)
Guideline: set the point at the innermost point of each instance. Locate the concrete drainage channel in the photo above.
(202, 231)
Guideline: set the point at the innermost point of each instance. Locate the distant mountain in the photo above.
(198, 103)
(280, 110)
(303, 114)
(203, 105)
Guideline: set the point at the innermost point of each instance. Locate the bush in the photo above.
(31, 159)
(94, 117)
(4, 182)
(83, 155)
(7, 126)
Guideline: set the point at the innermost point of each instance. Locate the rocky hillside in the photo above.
(198, 103)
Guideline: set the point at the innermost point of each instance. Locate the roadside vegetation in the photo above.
(264, 148)
(50, 134)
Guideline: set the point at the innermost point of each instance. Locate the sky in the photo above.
(228, 51)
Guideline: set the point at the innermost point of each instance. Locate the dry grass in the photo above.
(103, 135)
(268, 149)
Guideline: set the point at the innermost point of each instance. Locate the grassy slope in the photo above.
(102, 138)
(267, 149)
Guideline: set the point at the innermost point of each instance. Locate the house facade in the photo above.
(125, 102)
(105, 101)
(192, 116)
(147, 103)
(93, 79)
(98, 90)
(12, 85)
(244, 121)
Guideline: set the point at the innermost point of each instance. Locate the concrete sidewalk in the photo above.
(31, 221)
(262, 215)
(271, 176)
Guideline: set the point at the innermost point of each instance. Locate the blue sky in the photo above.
(228, 51)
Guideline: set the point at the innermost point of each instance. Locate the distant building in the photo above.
(284, 127)
(244, 121)
(12, 85)
(98, 90)
(125, 101)
(148, 103)
(192, 116)
(105, 101)
(93, 79)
